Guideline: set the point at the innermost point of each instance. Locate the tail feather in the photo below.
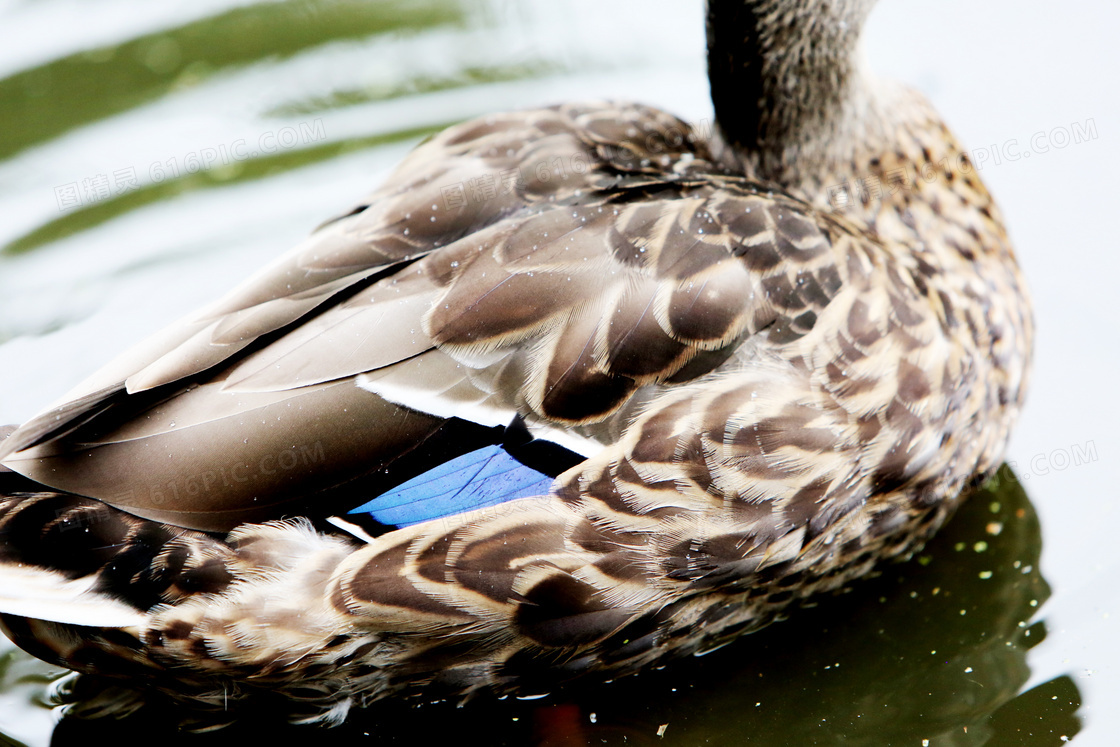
(48, 595)
(75, 560)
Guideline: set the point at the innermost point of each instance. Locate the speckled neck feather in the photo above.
(788, 85)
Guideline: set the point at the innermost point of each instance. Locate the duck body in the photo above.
(735, 396)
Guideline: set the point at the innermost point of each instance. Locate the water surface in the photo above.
(152, 155)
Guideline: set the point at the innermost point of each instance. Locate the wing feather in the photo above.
(474, 284)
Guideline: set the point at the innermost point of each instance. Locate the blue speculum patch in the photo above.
(485, 477)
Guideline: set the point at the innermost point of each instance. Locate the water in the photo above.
(152, 155)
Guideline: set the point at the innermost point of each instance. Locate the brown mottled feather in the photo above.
(771, 398)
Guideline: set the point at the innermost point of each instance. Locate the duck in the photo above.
(578, 390)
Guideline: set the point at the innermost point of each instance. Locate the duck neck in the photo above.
(793, 100)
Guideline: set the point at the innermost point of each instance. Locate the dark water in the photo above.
(152, 155)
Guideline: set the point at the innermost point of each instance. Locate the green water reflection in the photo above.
(47, 101)
(44, 102)
(250, 169)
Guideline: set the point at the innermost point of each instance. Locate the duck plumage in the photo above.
(745, 398)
